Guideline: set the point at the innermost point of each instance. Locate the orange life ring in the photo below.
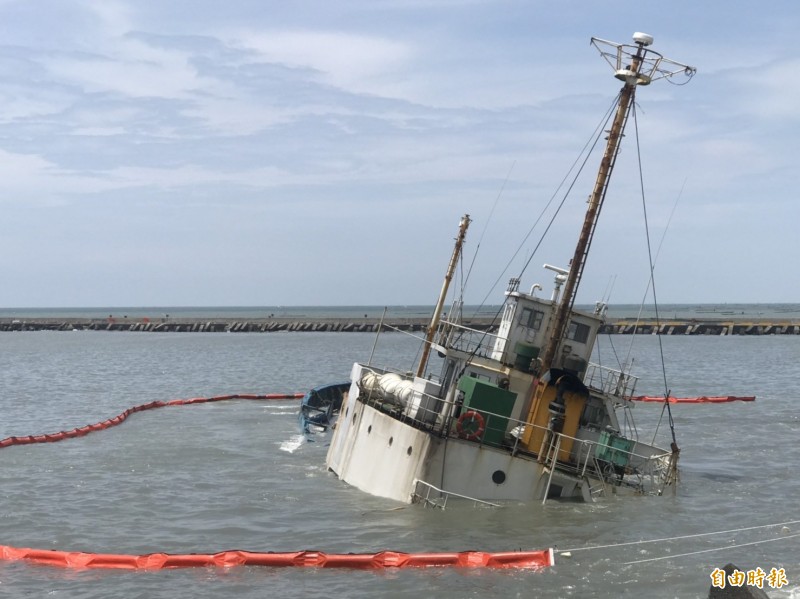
(464, 425)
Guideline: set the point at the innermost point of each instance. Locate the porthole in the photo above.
(354, 418)
(408, 451)
(498, 477)
(391, 440)
(369, 429)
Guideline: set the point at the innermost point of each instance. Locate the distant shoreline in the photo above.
(273, 324)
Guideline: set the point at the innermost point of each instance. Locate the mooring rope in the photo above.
(692, 536)
(665, 539)
(653, 559)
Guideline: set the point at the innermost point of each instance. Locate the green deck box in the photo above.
(493, 403)
(614, 449)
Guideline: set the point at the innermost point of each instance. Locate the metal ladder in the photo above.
(583, 480)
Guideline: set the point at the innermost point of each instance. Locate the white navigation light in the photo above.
(642, 38)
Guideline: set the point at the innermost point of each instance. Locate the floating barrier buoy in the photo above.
(701, 399)
(120, 418)
(301, 559)
(227, 559)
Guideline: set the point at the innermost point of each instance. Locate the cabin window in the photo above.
(480, 377)
(578, 332)
(531, 318)
(594, 414)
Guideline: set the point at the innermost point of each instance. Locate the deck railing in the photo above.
(646, 473)
(423, 492)
(465, 339)
(614, 382)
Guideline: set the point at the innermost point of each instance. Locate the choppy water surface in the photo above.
(236, 475)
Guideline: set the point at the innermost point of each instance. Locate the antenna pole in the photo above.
(437, 312)
(590, 222)
(643, 66)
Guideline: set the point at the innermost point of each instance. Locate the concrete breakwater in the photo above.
(370, 325)
(697, 327)
(224, 325)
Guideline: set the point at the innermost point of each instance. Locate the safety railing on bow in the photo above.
(432, 496)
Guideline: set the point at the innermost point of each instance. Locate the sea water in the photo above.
(237, 475)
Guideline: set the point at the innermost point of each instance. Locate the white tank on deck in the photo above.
(390, 387)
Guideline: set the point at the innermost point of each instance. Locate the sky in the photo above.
(267, 153)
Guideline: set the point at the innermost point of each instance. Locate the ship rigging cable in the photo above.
(653, 286)
(587, 149)
(465, 279)
(658, 253)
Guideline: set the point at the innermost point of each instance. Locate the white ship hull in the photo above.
(397, 458)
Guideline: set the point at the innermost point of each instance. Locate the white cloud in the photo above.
(115, 18)
(408, 107)
(355, 62)
(32, 179)
(136, 71)
(237, 115)
(772, 90)
(24, 102)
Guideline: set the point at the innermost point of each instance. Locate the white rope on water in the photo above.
(702, 534)
(653, 559)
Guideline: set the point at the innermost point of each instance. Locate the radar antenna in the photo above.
(652, 65)
(634, 65)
